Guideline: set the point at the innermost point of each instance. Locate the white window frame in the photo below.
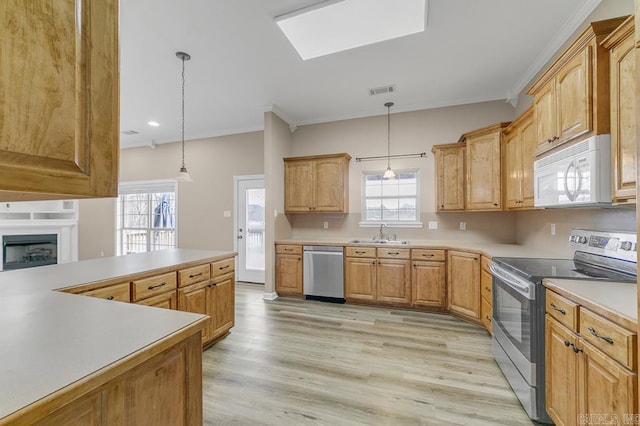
(392, 223)
(141, 187)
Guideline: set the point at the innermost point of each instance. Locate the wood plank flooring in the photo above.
(296, 362)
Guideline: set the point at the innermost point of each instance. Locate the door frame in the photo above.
(236, 208)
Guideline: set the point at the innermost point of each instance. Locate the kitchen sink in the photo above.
(381, 242)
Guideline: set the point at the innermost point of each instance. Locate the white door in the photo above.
(249, 222)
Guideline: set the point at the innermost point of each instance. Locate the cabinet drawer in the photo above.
(485, 263)
(119, 292)
(610, 338)
(288, 249)
(360, 252)
(563, 310)
(430, 255)
(194, 275)
(147, 287)
(222, 267)
(393, 253)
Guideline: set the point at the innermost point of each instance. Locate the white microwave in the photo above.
(577, 176)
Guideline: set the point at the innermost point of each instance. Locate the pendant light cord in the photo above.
(183, 58)
(388, 134)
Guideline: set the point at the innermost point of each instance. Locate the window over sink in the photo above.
(146, 216)
(394, 202)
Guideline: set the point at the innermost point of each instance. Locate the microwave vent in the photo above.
(573, 150)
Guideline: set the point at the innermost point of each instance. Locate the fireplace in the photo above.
(28, 251)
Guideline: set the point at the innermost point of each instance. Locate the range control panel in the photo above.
(619, 245)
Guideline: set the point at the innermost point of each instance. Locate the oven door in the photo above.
(514, 315)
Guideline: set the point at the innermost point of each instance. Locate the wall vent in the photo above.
(382, 90)
(130, 132)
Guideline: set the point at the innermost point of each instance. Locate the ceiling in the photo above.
(242, 65)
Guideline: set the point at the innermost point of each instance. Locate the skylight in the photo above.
(336, 25)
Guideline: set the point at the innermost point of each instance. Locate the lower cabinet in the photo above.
(168, 300)
(486, 290)
(164, 388)
(289, 270)
(463, 283)
(393, 276)
(589, 368)
(428, 279)
(360, 274)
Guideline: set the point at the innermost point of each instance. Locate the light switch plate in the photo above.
(227, 213)
(433, 225)
(553, 229)
(326, 225)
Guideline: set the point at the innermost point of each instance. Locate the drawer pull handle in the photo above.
(153, 287)
(568, 343)
(222, 268)
(393, 253)
(576, 349)
(360, 252)
(288, 249)
(110, 298)
(195, 275)
(428, 255)
(555, 308)
(609, 340)
(488, 289)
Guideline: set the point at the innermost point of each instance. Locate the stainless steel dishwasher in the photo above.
(323, 273)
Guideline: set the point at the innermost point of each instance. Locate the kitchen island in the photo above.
(65, 357)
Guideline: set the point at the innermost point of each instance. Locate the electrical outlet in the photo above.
(553, 229)
(463, 226)
(326, 225)
(433, 225)
(227, 213)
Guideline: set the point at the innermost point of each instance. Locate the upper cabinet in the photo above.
(483, 168)
(450, 176)
(317, 184)
(623, 111)
(520, 146)
(59, 99)
(571, 98)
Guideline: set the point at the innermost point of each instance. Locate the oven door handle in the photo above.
(512, 281)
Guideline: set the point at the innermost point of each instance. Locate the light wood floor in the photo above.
(291, 362)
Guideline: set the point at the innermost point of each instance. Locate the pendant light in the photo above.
(389, 174)
(183, 175)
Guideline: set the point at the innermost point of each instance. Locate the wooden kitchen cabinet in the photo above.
(317, 184)
(393, 276)
(428, 278)
(520, 147)
(166, 300)
(221, 298)
(590, 363)
(622, 59)
(463, 284)
(360, 272)
(450, 176)
(483, 165)
(289, 270)
(163, 382)
(59, 100)
(486, 293)
(571, 98)
(193, 298)
(118, 292)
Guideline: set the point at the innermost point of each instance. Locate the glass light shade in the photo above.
(183, 175)
(389, 174)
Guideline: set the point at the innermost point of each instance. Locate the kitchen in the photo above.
(413, 131)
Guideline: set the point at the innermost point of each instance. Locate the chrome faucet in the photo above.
(381, 236)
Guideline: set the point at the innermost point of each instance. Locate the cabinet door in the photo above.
(167, 300)
(528, 146)
(486, 314)
(605, 386)
(289, 274)
(299, 183)
(561, 373)
(463, 285)
(573, 96)
(544, 111)
(483, 172)
(450, 178)
(193, 298)
(329, 185)
(623, 120)
(86, 411)
(59, 94)
(393, 281)
(360, 278)
(513, 170)
(428, 286)
(223, 315)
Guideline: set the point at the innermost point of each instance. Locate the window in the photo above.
(146, 216)
(391, 201)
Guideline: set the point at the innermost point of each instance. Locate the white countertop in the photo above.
(489, 249)
(620, 299)
(49, 339)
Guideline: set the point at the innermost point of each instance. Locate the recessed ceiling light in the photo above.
(336, 25)
(153, 123)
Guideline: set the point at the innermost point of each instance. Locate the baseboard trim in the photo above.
(270, 296)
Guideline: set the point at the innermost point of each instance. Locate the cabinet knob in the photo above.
(495, 204)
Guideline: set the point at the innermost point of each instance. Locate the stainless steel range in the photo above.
(519, 304)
